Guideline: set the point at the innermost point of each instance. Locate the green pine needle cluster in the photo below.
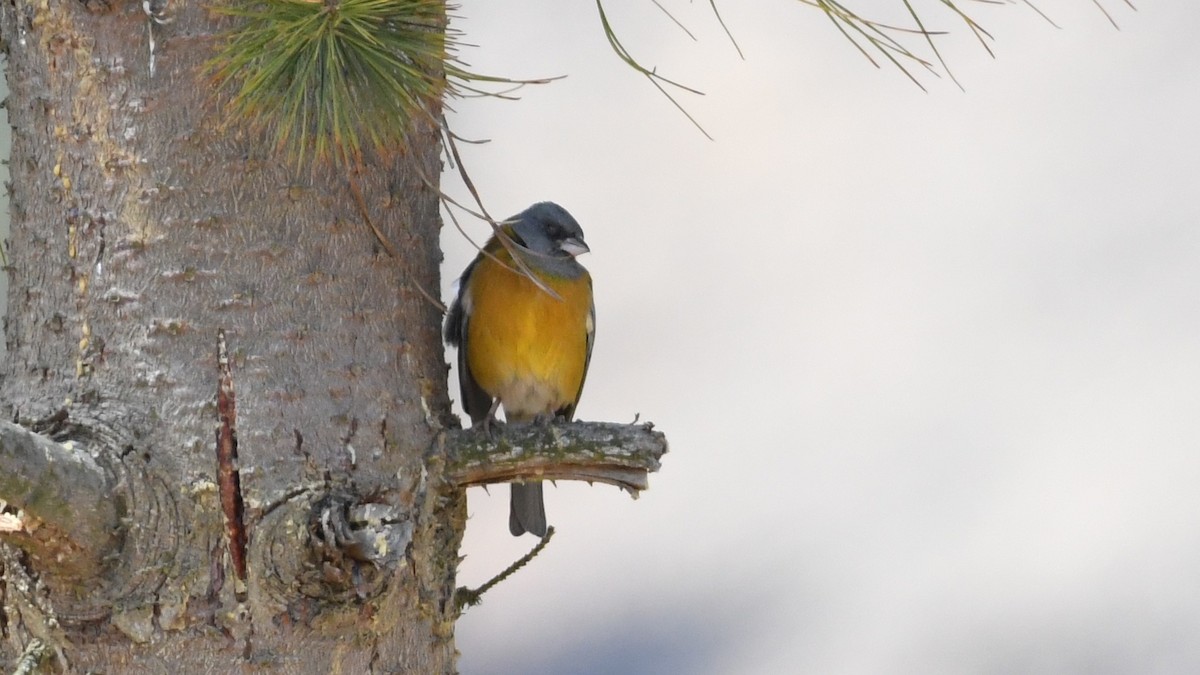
(332, 79)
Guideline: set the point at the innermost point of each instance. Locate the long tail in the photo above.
(526, 510)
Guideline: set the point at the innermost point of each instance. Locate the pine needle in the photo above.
(332, 80)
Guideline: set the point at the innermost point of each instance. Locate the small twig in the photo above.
(466, 597)
(34, 652)
(362, 211)
(497, 226)
(361, 203)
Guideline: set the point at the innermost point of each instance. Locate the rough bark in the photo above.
(143, 225)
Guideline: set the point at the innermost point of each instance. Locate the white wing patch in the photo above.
(466, 301)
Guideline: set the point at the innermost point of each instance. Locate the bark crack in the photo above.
(228, 476)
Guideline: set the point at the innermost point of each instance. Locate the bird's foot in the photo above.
(490, 426)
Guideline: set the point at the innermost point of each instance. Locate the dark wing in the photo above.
(475, 400)
(568, 411)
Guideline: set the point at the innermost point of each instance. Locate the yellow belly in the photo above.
(524, 347)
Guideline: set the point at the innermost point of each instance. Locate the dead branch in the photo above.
(597, 452)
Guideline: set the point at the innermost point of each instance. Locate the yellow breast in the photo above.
(524, 346)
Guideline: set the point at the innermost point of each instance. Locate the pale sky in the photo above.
(927, 362)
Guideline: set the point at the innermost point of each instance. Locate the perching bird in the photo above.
(519, 345)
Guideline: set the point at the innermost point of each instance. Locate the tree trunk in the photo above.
(143, 228)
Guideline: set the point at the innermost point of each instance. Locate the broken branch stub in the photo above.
(60, 504)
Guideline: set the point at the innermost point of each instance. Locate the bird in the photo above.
(524, 322)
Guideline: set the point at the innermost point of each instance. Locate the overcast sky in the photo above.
(928, 362)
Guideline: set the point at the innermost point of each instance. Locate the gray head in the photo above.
(549, 232)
